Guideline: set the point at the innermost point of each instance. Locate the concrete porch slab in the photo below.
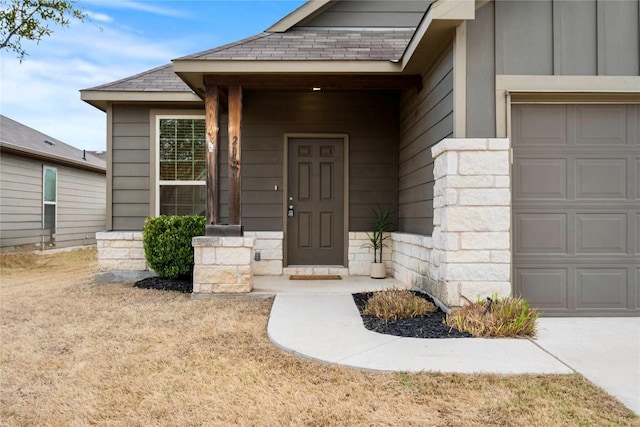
(281, 285)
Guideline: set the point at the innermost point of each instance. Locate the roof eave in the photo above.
(101, 98)
(192, 72)
(33, 154)
(437, 25)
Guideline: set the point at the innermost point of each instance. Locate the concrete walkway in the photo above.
(318, 320)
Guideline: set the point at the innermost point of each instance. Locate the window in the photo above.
(49, 200)
(181, 165)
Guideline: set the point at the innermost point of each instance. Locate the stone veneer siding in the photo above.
(413, 264)
(271, 248)
(468, 255)
(360, 256)
(222, 264)
(120, 251)
(124, 251)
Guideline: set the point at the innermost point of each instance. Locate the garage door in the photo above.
(576, 208)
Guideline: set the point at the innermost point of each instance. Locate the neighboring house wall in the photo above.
(21, 196)
(80, 204)
(426, 118)
(551, 38)
(371, 13)
(81, 207)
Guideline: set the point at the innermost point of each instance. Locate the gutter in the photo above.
(79, 164)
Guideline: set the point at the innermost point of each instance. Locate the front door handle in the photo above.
(290, 212)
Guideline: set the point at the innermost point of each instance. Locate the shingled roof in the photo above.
(302, 45)
(314, 45)
(18, 138)
(159, 79)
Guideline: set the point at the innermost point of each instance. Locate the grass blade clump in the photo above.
(393, 304)
(508, 317)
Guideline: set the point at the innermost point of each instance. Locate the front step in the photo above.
(315, 270)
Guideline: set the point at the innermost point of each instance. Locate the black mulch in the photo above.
(427, 326)
(182, 284)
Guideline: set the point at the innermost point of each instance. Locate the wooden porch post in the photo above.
(235, 164)
(212, 115)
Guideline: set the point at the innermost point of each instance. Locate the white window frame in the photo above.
(158, 182)
(45, 202)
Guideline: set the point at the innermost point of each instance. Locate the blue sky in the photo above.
(121, 38)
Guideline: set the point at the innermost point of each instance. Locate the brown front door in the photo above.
(315, 203)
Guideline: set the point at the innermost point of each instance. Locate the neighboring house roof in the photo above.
(314, 45)
(23, 140)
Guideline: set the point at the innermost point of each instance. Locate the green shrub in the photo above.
(167, 243)
(397, 304)
(508, 317)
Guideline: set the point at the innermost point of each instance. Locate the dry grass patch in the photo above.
(507, 317)
(74, 354)
(394, 304)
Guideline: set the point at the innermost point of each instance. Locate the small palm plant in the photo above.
(381, 226)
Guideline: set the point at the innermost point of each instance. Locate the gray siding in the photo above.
(560, 37)
(130, 166)
(80, 207)
(546, 37)
(425, 119)
(20, 201)
(82, 199)
(370, 120)
(371, 13)
(481, 70)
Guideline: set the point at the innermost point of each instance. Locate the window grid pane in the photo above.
(182, 149)
(50, 218)
(49, 185)
(182, 199)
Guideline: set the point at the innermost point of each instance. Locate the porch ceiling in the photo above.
(306, 82)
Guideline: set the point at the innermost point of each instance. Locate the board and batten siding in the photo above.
(130, 166)
(559, 37)
(371, 13)
(369, 119)
(80, 206)
(549, 38)
(426, 118)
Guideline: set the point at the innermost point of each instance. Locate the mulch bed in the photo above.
(182, 284)
(427, 326)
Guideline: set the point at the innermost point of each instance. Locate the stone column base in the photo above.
(222, 265)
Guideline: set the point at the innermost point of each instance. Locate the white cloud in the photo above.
(99, 17)
(43, 91)
(146, 7)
